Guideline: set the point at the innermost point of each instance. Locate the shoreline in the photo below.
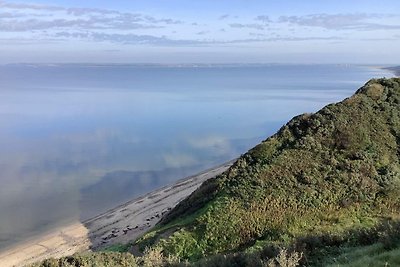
(395, 70)
(119, 225)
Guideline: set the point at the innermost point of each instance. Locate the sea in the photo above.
(79, 139)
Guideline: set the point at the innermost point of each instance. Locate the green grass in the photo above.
(369, 256)
(98, 259)
(117, 248)
(150, 238)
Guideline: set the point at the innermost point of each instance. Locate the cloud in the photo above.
(4, 4)
(284, 39)
(257, 34)
(134, 39)
(263, 18)
(126, 39)
(8, 15)
(83, 18)
(79, 23)
(202, 32)
(34, 23)
(165, 21)
(218, 144)
(174, 160)
(359, 21)
(71, 11)
(248, 25)
(85, 11)
(207, 141)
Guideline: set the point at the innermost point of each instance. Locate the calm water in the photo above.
(76, 140)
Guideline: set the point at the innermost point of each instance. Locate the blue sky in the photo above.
(200, 31)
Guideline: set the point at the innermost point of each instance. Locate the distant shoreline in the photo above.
(395, 70)
(121, 224)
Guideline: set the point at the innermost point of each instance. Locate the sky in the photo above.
(200, 31)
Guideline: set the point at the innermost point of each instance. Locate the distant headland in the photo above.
(395, 70)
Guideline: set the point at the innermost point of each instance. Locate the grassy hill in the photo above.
(325, 186)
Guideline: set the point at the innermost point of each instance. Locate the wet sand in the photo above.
(122, 224)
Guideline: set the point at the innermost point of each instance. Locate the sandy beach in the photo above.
(122, 224)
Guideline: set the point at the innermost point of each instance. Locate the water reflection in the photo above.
(77, 140)
(95, 197)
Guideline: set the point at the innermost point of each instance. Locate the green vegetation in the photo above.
(326, 187)
(99, 259)
(118, 248)
(374, 255)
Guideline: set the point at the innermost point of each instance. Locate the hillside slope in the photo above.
(328, 172)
